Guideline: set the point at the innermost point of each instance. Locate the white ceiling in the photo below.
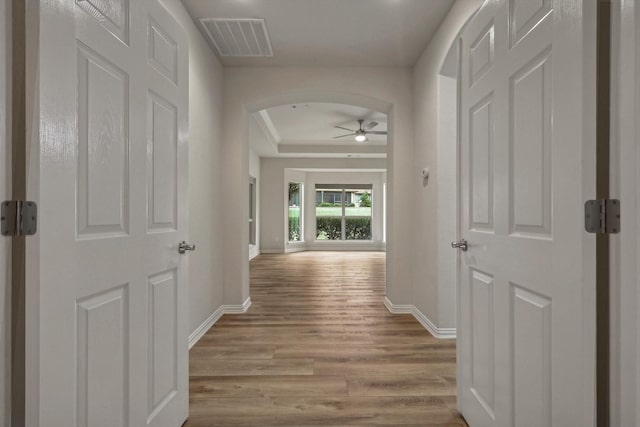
(307, 130)
(333, 32)
(315, 122)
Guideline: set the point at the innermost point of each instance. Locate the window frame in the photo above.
(301, 215)
(343, 222)
(252, 210)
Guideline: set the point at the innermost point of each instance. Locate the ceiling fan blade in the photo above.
(377, 132)
(371, 125)
(342, 136)
(340, 127)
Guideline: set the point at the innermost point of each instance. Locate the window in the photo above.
(343, 212)
(252, 210)
(295, 212)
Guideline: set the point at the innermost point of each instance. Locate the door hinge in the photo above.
(602, 216)
(18, 218)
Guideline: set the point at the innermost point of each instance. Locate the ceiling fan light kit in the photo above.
(361, 133)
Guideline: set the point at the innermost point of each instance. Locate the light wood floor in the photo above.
(318, 347)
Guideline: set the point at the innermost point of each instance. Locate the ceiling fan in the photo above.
(361, 132)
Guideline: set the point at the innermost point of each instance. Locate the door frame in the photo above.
(624, 253)
(6, 312)
(18, 148)
(30, 251)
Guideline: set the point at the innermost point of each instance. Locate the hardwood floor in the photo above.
(318, 347)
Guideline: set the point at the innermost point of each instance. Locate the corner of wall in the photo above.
(217, 314)
(442, 333)
(205, 183)
(427, 277)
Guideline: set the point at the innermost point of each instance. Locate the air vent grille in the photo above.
(239, 37)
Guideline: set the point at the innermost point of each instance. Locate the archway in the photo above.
(319, 98)
(251, 89)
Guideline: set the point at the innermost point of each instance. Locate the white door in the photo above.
(527, 282)
(106, 288)
(5, 194)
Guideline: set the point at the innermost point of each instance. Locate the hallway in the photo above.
(318, 347)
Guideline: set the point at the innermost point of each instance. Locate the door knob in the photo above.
(461, 244)
(183, 247)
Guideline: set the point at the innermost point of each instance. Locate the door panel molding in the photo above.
(527, 160)
(106, 329)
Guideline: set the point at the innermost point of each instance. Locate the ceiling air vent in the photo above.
(238, 37)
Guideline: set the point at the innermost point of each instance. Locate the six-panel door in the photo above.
(526, 308)
(111, 333)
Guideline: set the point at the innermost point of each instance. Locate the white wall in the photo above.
(5, 193)
(254, 171)
(447, 179)
(257, 138)
(276, 172)
(205, 179)
(426, 281)
(381, 89)
(409, 96)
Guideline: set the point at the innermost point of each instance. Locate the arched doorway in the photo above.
(332, 165)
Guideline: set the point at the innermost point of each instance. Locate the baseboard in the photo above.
(330, 246)
(442, 333)
(205, 326)
(271, 251)
(349, 246)
(237, 308)
(215, 316)
(253, 252)
(295, 247)
(398, 308)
